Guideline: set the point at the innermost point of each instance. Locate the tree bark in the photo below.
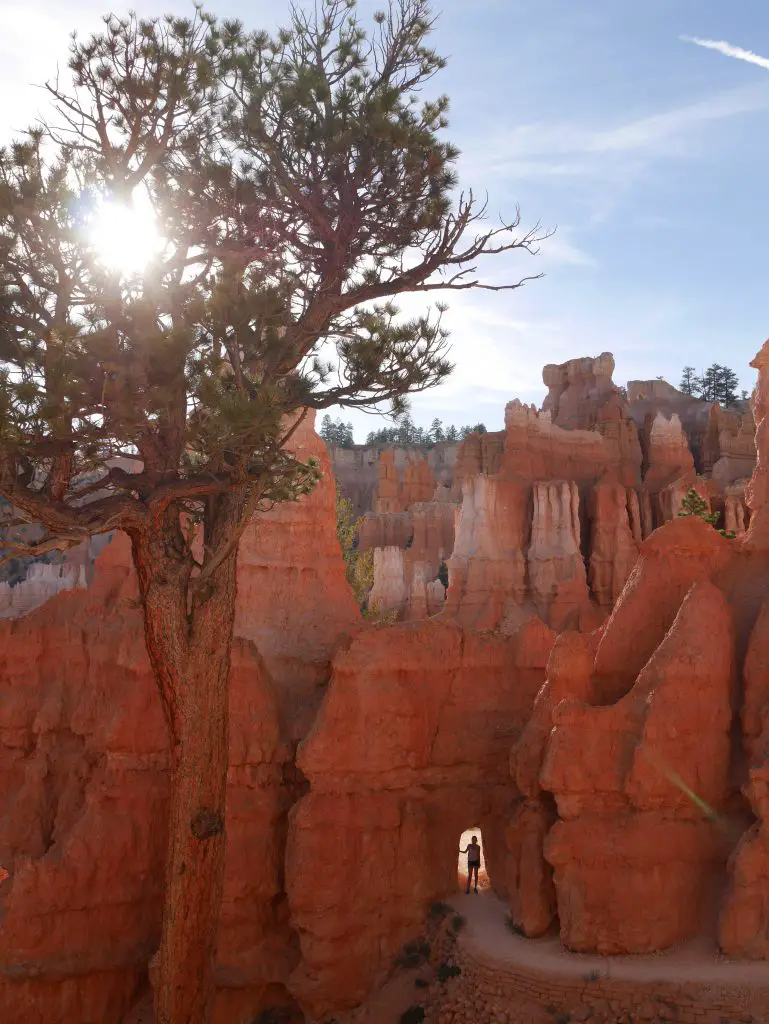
(189, 645)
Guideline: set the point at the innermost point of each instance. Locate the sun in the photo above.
(125, 236)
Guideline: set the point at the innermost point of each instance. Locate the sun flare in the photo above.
(125, 236)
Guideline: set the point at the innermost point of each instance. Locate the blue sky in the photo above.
(648, 152)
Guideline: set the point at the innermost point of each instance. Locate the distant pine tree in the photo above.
(690, 382)
(693, 504)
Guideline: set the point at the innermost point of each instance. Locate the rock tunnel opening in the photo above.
(465, 840)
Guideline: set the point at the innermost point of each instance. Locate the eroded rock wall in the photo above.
(83, 807)
(410, 748)
(630, 829)
(84, 765)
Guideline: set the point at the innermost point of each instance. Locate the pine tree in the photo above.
(718, 384)
(359, 565)
(289, 179)
(479, 428)
(692, 504)
(727, 386)
(709, 383)
(327, 429)
(436, 431)
(337, 433)
(452, 434)
(690, 382)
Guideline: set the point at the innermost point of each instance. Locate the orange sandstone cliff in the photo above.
(618, 770)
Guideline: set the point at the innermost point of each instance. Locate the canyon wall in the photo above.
(409, 750)
(642, 771)
(84, 764)
(590, 691)
(546, 516)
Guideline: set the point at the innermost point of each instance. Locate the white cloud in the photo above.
(720, 46)
(558, 249)
(570, 150)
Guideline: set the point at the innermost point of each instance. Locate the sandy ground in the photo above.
(489, 938)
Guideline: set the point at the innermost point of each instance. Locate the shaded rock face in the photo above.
(410, 748)
(371, 474)
(631, 736)
(531, 890)
(409, 550)
(652, 397)
(41, 580)
(730, 447)
(577, 388)
(744, 926)
(621, 804)
(83, 805)
(84, 766)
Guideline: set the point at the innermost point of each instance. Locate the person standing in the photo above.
(473, 851)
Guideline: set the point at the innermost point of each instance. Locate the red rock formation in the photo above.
(635, 782)
(388, 497)
(615, 538)
(410, 748)
(391, 589)
(730, 447)
(735, 512)
(556, 568)
(294, 601)
(520, 537)
(386, 530)
(667, 454)
(487, 569)
(757, 491)
(744, 926)
(576, 388)
(418, 482)
(658, 397)
(397, 491)
(529, 876)
(357, 470)
(409, 549)
(84, 766)
(685, 551)
(82, 815)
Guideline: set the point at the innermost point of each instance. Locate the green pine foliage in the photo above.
(717, 384)
(289, 175)
(692, 504)
(407, 433)
(299, 182)
(359, 565)
(336, 432)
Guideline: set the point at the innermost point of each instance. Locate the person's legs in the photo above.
(473, 871)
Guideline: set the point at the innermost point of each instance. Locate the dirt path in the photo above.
(489, 939)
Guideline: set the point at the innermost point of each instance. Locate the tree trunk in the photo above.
(190, 649)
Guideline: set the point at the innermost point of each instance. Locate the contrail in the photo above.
(729, 51)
